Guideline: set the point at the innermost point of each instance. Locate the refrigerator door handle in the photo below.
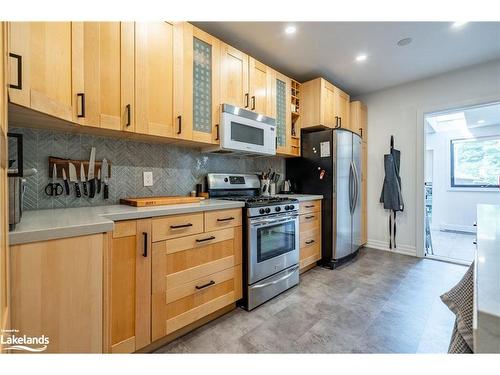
(350, 187)
(356, 187)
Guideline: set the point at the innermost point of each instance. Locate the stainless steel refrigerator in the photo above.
(330, 164)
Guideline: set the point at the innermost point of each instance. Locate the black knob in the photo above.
(278, 209)
(262, 211)
(291, 207)
(268, 210)
(225, 179)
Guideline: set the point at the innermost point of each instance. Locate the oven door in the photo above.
(273, 245)
(247, 135)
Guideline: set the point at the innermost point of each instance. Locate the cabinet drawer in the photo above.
(310, 238)
(308, 207)
(177, 226)
(215, 220)
(309, 224)
(312, 217)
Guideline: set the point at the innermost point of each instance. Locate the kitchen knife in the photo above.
(73, 178)
(66, 183)
(104, 167)
(98, 187)
(91, 177)
(83, 179)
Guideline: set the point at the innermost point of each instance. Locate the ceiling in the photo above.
(329, 49)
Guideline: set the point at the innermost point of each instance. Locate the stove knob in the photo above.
(278, 209)
(291, 207)
(287, 207)
(262, 211)
(268, 210)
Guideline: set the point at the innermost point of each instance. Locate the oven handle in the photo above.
(289, 274)
(273, 221)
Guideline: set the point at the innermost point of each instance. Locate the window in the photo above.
(475, 163)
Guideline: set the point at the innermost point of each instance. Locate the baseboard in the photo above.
(401, 249)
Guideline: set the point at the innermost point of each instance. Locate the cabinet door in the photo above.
(154, 70)
(342, 109)
(260, 87)
(4, 262)
(129, 275)
(40, 67)
(103, 74)
(282, 113)
(328, 104)
(198, 101)
(234, 77)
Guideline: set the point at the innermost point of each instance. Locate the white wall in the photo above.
(455, 209)
(399, 111)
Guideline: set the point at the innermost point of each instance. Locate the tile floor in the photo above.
(453, 245)
(378, 303)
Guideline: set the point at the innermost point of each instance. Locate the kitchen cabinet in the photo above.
(245, 82)
(324, 105)
(197, 84)
(4, 218)
(154, 79)
(282, 113)
(195, 275)
(56, 291)
(359, 119)
(103, 74)
(128, 276)
(40, 59)
(310, 234)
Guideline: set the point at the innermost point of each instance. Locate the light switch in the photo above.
(148, 178)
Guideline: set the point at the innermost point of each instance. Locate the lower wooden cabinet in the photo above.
(56, 291)
(128, 293)
(310, 234)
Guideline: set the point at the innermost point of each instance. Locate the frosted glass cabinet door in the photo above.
(282, 112)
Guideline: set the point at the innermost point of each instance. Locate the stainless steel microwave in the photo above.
(246, 132)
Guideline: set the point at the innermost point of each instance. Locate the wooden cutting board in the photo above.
(159, 201)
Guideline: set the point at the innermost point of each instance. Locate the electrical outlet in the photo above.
(148, 178)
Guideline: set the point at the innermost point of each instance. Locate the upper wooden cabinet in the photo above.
(154, 79)
(103, 74)
(359, 119)
(128, 280)
(196, 84)
(40, 67)
(323, 104)
(281, 93)
(260, 87)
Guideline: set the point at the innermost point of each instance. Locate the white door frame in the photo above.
(420, 150)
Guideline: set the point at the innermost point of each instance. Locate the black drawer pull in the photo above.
(145, 252)
(205, 239)
(310, 217)
(128, 115)
(179, 118)
(309, 242)
(253, 102)
(361, 132)
(246, 100)
(310, 206)
(211, 282)
(81, 95)
(217, 136)
(19, 85)
(226, 219)
(181, 226)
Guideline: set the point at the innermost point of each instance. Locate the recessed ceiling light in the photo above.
(404, 42)
(458, 24)
(360, 58)
(290, 29)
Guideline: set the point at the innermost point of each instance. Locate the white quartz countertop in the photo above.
(301, 197)
(42, 225)
(487, 280)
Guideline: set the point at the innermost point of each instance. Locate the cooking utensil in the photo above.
(66, 183)
(104, 167)
(54, 188)
(83, 179)
(91, 177)
(73, 178)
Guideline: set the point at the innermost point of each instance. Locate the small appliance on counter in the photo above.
(271, 236)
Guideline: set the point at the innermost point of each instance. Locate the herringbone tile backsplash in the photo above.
(176, 170)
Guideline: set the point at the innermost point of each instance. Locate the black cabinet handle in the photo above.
(205, 239)
(474, 242)
(310, 217)
(181, 226)
(361, 132)
(19, 58)
(475, 224)
(340, 120)
(145, 250)
(336, 121)
(211, 282)
(217, 132)
(309, 242)
(246, 100)
(253, 102)
(179, 118)
(81, 95)
(310, 206)
(128, 115)
(226, 219)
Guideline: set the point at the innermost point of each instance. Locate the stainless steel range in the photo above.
(271, 236)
